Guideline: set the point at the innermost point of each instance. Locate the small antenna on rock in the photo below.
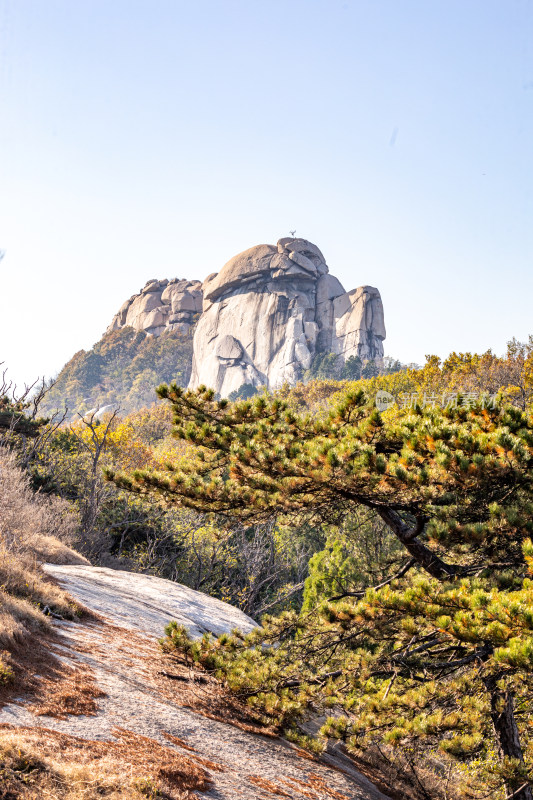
(292, 233)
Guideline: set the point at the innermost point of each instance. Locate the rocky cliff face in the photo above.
(161, 305)
(265, 315)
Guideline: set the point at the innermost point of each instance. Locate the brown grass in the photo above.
(203, 761)
(33, 524)
(39, 763)
(179, 742)
(189, 686)
(27, 521)
(302, 787)
(17, 619)
(205, 695)
(49, 549)
(21, 579)
(75, 693)
(51, 686)
(268, 786)
(318, 783)
(306, 787)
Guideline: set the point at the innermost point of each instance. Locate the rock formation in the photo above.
(161, 305)
(265, 316)
(148, 601)
(271, 309)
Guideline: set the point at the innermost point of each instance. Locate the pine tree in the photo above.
(18, 417)
(440, 653)
(244, 392)
(351, 370)
(324, 365)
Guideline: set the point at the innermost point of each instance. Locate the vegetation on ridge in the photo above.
(121, 370)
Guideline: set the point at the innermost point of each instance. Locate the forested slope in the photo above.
(121, 369)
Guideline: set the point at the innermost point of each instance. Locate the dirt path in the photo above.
(124, 662)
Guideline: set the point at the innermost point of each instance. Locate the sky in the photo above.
(148, 139)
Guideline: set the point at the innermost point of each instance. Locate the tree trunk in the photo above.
(506, 730)
(434, 565)
(501, 700)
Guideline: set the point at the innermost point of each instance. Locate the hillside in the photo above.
(433, 456)
(90, 704)
(132, 721)
(122, 369)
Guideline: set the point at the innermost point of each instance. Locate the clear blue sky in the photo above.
(149, 138)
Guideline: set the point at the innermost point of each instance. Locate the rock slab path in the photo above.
(120, 652)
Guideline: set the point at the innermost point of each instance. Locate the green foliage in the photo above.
(431, 660)
(406, 666)
(439, 657)
(324, 365)
(331, 571)
(148, 788)
(352, 368)
(249, 566)
(176, 638)
(112, 521)
(246, 391)
(6, 673)
(123, 369)
(370, 370)
(16, 420)
(360, 552)
(258, 457)
(329, 366)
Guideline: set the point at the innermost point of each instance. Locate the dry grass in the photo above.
(268, 786)
(205, 762)
(302, 787)
(27, 595)
(27, 522)
(178, 680)
(34, 525)
(21, 579)
(316, 783)
(34, 674)
(75, 693)
(18, 619)
(47, 548)
(198, 690)
(39, 763)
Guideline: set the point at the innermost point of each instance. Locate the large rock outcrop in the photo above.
(147, 601)
(271, 309)
(161, 305)
(263, 318)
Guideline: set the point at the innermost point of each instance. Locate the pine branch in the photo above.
(361, 592)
